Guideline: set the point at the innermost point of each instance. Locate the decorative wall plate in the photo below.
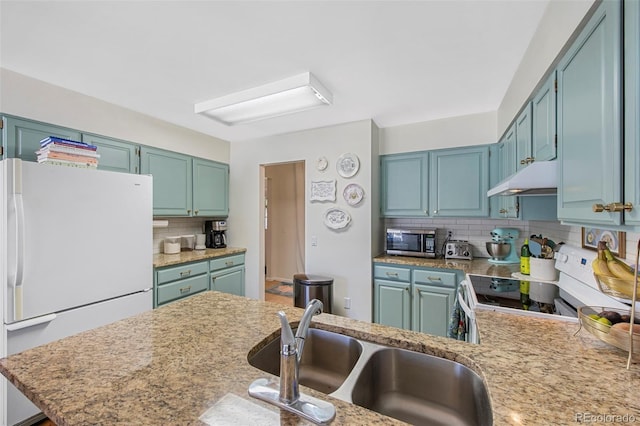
(323, 163)
(336, 218)
(353, 194)
(323, 190)
(348, 165)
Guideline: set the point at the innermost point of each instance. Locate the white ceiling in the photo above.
(395, 62)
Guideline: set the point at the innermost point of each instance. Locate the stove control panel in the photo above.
(458, 249)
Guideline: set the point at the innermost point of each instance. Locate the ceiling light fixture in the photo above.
(293, 94)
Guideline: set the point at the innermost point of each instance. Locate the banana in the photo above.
(620, 270)
(600, 267)
(599, 264)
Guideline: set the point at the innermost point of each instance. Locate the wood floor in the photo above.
(276, 298)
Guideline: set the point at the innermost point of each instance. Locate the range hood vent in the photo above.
(538, 178)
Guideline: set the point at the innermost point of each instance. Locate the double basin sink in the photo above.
(410, 386)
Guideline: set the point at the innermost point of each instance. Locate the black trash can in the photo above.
(307, 287)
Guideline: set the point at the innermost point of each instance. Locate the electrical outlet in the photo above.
(314, 241)
(449, 234)
(347, 303)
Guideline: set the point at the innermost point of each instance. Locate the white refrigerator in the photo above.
(75, 253)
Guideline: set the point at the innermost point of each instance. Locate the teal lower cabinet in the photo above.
(177, 282)
(414, 298)
(432, 309)
(227, 274)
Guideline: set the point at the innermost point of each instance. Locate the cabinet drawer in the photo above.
(226, 262)
(182, 288)
(392, 273)
(183, 271)
(434, 278)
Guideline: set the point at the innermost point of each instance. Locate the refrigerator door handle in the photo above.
(15, 280)
(30, 322)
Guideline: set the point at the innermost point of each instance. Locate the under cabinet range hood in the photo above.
(538, 178)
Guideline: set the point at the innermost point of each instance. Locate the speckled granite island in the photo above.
(172, 364)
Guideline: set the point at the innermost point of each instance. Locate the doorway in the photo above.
(284, 228)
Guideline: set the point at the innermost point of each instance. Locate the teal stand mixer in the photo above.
(502, 248)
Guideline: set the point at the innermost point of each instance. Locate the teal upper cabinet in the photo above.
(172, 181)
(524, 154)
(590, 121)
(459, 181)
(508, 205)
(22, 137)
(404, 184)
(632, 110)
(543, 111)
(210, 188)
(115, 155)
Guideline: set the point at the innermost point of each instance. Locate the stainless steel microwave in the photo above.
(411, 242)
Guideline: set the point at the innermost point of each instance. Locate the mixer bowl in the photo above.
(498, 250)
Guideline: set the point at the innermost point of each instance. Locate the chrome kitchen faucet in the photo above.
(287, 395)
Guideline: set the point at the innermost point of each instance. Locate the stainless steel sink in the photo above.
(410, 386)
(421, 389)
(327, 359)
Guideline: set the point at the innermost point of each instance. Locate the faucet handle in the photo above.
(287, 341)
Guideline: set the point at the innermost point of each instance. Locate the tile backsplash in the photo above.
(477, 232)
(177, 226)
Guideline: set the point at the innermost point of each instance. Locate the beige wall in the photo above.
(284, 236)
(34, 99)
(560, 20)
(344, 255)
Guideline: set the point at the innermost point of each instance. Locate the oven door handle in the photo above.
(462, 291)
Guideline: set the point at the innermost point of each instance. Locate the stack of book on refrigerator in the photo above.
(65, 152)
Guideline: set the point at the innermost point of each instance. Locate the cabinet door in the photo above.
(229, 281)
(632, 110)
(543, 144)
(210, 188)
(589, 121)
(180, 289)
(508, 207)
(24, 136)
(459, 181)
(523, 138)
(117, 156)
(404, 184)
(432, 309)
(172, 179)
(392, 304)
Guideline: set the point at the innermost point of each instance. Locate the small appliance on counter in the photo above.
(458, 249)
(502, 247)
(411, 242)
(171, 245)
(215, 233)
(200, 241)
(187, 242)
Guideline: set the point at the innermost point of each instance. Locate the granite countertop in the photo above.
(172, 364)
(160, 260)
(478, 266)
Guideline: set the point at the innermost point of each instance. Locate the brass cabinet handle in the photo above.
(188, 211)
(434, 278)
(196, 212)
(406, 289)
(185, 290)
(229, 263)
(504, 211)
(426, 211)
(527, 160)
(185, 273)
(392, 274)
(612, 207)
(435, 212)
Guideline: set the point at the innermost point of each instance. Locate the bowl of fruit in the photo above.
(610, 325)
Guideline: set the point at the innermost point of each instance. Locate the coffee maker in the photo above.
(215, 232)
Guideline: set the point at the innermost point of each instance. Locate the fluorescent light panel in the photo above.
(293, 94)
